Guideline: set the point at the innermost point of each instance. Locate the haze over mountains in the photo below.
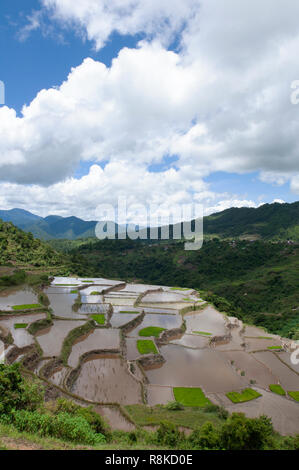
(269, 221)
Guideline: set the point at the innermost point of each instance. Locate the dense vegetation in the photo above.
(18, 247)
(24, 413)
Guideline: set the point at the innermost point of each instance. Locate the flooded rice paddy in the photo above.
(96, 340)
(207, 320)
(166, 321)
(51, 339)
(107, 380)
(16, 296)
(288, 379)
(204, 368)
(21, 337)
(120, 319)
(215, 353)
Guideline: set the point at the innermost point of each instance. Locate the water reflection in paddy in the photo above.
(192, 341)
(59, 375)
(157, 395)
(88, 309)
(208, 320)
(288, 379)
(120, 319)
(162, 321)
(17, 296)
(62, 304)
(107, 380)
(101, 338)
(51, 339)
(254, 370)
(195, 368)
(21, 337)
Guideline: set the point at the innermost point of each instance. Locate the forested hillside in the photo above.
(21, 248)
(258, 280)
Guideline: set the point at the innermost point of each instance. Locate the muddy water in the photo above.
(59, 290)
(106, 380)
(138, 288)
(236, 342)
(286, 357)
(254, 331)
(253, 369)
(88, 309)
(159, 395)
(132, 351)
(92, 299)
(192, 341)
(163, 321)
(288, 379)
(208, 320)
(16, 296)
(128, 302)
(120, 319)
(91, 289)
(195, 368)
(58, 376)
(61, 305)
(51, 339)
(256, 344)
(98, 339)
(161, 311)
(160, 297)
(21, 336)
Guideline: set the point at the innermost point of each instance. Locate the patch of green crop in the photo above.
(202, 333)
(294, 395)
(74, 292)
(275, 388)
(151, 331)
(129, 311)
(95, 293)
(146, 346)
(275, 347)
(18, 326)
(191, 396)
(26, 307)
(179, 288)
(246, 395)
(99, 318)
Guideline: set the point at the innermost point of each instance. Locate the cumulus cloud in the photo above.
(97, 20)
(221, 102)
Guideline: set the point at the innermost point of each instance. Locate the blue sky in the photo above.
(179, 144)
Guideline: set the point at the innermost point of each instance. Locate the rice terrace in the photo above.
(128, 349)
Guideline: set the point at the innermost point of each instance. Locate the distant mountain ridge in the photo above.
(269, 221)
(50, 227)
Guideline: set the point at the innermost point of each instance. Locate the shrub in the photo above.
(206, 437)
(17, 393)
(241, 433)
(61, 426)
(96, 421)
(174, 406)
(168, 434)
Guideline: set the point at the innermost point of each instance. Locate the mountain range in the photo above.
(269, 221)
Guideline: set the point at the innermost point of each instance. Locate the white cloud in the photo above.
(221, 103)
(98, 19)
